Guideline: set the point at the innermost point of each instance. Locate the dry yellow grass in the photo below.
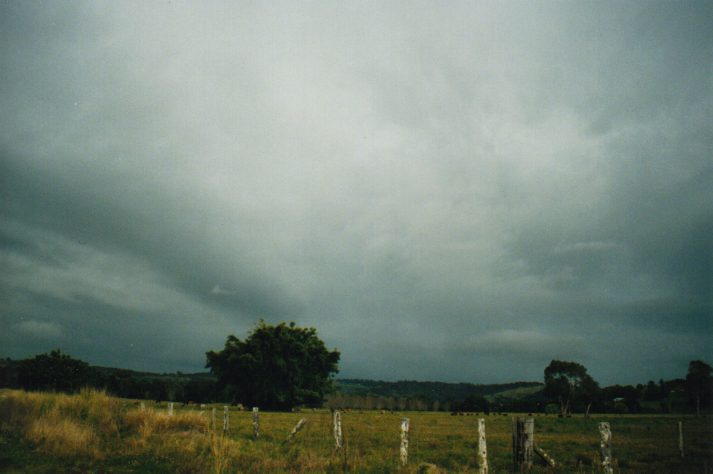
(63, 437)
(149, 422)
(101, 429)
(62, 425)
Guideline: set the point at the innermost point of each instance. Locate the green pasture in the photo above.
(129, 439)
(640, 443)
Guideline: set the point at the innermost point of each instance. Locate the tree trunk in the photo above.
(566, 409)
(563, 407)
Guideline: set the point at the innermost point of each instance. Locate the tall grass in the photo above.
(94, 425)
(99, 429)
(63, 425)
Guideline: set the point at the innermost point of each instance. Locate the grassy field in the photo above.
(94, 432)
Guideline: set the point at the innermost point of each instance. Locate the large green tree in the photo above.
(569, 383)
(275, 367)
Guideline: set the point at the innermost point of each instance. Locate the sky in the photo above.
(447, 191)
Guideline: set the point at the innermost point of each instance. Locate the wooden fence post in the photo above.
(404, 441)
(482, 448)
(529, 441)
(605, 445)
(337, 430)
(256, 422)
(545, 457)
(523, 438)
(226, 419)
(296, 429)
(142, 406)
(212, 419)
(680, 438)
(515, 444)
(170, 408)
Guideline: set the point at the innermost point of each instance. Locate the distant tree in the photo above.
(699, 384)
(199, 390)
(53, 371)
(8, 373)
(622, 398)
(473, 403)
(569, 382)
(275, 367)
(651, 392)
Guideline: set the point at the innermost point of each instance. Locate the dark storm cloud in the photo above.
(454, 193)
(108, 214)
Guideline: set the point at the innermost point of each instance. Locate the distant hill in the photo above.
(438, 391)
(113, 371)
(671, 396)
(195, 386)
(523, 392)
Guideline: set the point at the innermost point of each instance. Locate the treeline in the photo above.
(58, 372)
(669, 396)
(569, 389)
(534, 401)
(339, 400)
(428, 391)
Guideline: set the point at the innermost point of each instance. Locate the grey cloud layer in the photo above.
(453, 193)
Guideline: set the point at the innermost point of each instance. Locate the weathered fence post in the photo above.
(680, 438)
(142, 406)
(296, 429)
(482, 448)
(256, 422)
(404, 441)
(523, 437)
(170, 408)
(212, 418)
(605, 445)
(337, 430)
(226, 419)
(529, 441)
(545, 457)
(515, 444)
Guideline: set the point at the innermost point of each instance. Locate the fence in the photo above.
(525, 450)
(319, 441)
(528, 448)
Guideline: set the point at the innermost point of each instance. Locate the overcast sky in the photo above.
(453, 191)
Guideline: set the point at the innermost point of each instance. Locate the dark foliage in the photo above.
(570, 384)
(699, 385)
(276, 367)
(623, 398)
(473, 403)
(53, 371)
(56, 371)
(430, 391)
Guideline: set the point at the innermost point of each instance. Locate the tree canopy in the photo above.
(275, 367)
(569, 382)
(53, 371)
(699, 384)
